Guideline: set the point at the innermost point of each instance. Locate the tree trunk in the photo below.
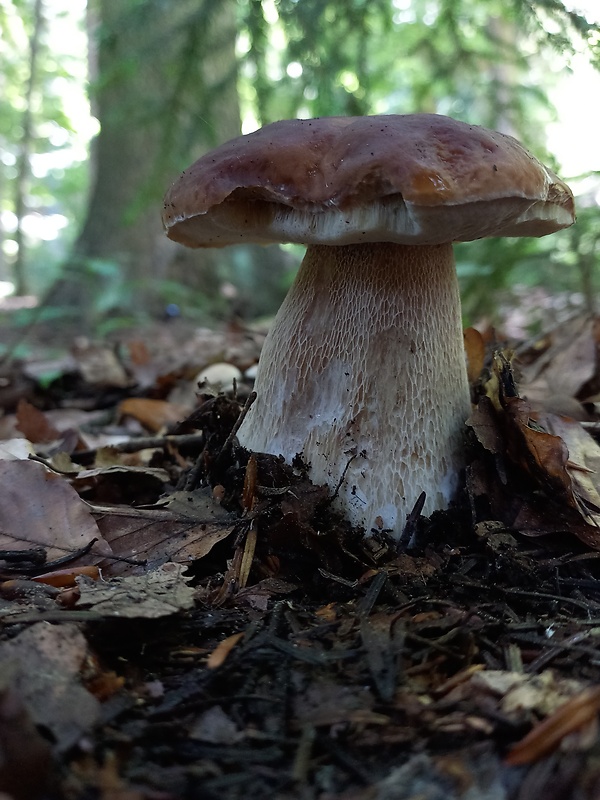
(166, 91)
(23, 161)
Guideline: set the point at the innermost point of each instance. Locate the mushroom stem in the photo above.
(363, 374)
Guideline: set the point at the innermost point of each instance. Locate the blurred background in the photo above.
(103, 103)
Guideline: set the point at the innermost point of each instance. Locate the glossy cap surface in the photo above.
(410, 179)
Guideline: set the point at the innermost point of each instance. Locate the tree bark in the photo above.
(23, 161)
(166, 91)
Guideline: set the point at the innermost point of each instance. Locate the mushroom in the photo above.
(363, 371)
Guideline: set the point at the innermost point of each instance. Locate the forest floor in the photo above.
(183, 619)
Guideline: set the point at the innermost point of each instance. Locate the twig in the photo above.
(141, 443)
(243, 413)
(193, 479)
(48, 566)
(368, 601)
(410, 529)
(336, 491)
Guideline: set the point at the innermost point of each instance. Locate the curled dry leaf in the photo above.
(563, 458)
(66, 577)
(566, 366)
(15, 450)
(99, 364)
(249, 494)
(557, 454)
(216, 727)
(583, 465)
(475, 350)
(222, 650)
(543, 455)
(120, 484)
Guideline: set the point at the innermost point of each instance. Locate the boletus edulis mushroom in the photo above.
(363, 371)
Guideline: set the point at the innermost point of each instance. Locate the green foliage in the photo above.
(54, 130)
(566, 263)
(466, 58)
(490, 62)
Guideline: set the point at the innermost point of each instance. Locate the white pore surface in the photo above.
(363, 374)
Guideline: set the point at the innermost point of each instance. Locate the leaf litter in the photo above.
(238, 639)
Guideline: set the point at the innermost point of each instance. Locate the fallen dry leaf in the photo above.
(222, 650)
(49, 660)
(556, 452)
(15, 450)
(120, 484)
(183, 528)
(566, 366)
(99, 364)
(66, 577)
(34, 424)
(216, 727)
(24, 752)
(543, 455)
(152, 414)
(583, 465)
(475, 351)
(158, 593)
(521, 694)
(40, 508)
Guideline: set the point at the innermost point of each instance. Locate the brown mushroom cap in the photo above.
(411, 179)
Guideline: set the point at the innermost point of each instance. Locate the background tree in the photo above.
(150, 91)
(171, 80)
(35, 126)
(25, 144)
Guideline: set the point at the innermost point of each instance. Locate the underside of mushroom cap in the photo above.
(410, 179)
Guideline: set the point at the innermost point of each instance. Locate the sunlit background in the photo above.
(49, 122)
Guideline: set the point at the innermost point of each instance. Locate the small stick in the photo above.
(410, 528)
(193, 479)
(50, 565)
(243, 413)
(141, 443)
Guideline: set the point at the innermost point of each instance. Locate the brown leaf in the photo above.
(99, 364)
(541, 454)
(568, 364)
(152, 414)
(34, 424)
(24, 753)
(66, 577)
(583, 465)
(222, 650)
(40, 508)
(182, 530)
(555, 452)
(484, 423)
(49, 659)
(120, 484)
(475, 350)
(247, 557)
(249, 497)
